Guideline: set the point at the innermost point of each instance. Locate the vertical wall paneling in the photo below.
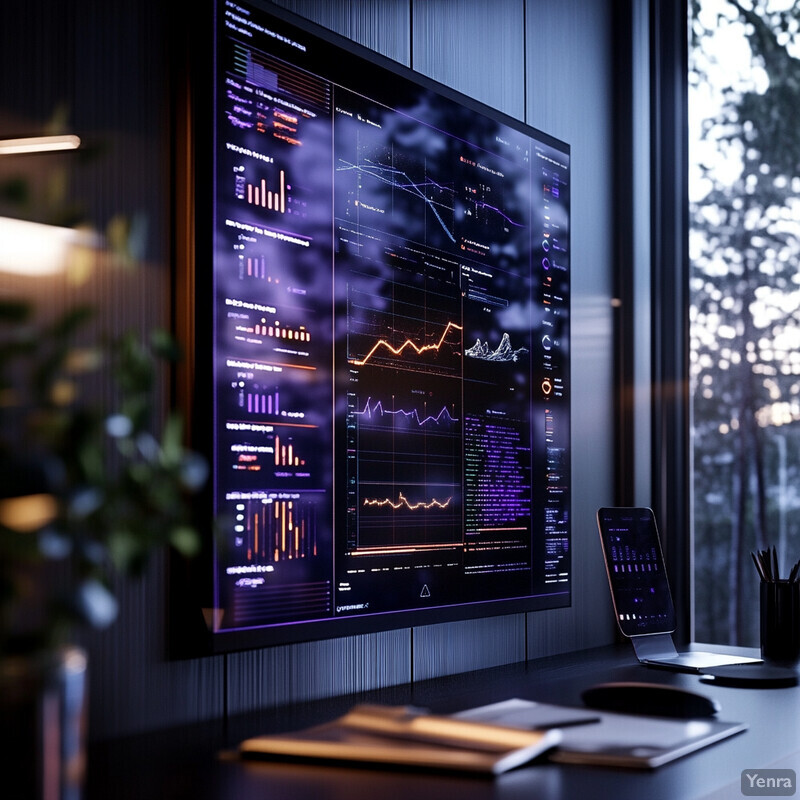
(569, 56)
(474, 46)
(133, 686)
(334, 16)
(473, 644)
(312, 670)
(381, 26)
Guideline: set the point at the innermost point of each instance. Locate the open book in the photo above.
(405, 737)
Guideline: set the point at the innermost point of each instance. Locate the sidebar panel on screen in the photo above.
(391, 343)
(273, 335)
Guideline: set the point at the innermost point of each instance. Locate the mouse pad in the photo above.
(752, 676)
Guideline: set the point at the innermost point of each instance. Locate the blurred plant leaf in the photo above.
(121, 477)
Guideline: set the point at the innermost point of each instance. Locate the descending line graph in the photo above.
(490, 207)
(425, 190)
(499, 212)
(408, 344)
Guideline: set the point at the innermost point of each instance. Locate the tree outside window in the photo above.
(744, 117)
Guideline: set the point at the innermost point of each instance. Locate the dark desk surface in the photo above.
(195, 762)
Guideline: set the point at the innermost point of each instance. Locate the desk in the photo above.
(191, 762)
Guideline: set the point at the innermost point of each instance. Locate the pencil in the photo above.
(758, 566)
(763, 557)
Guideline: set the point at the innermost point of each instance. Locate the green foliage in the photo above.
(96, 485)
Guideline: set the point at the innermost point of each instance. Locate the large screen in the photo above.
(384, 298)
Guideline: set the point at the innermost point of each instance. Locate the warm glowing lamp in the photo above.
(31, 248)
(39, 144)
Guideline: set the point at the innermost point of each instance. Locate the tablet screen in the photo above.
(636, 571)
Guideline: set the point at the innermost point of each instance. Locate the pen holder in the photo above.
(780, 621)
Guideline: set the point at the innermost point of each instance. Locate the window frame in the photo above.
(671, 454)
(651, 291)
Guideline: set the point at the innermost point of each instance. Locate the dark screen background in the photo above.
(636, 570)
(391, 340)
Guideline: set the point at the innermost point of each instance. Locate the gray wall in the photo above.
(547, 63)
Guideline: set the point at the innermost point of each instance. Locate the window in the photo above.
(744, 290)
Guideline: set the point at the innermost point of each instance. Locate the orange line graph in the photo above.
(402, 500)
(407, 343)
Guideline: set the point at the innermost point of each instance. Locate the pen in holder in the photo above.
(780, 609)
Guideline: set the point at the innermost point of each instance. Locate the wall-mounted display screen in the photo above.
(386, 304)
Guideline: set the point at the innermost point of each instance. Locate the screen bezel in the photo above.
(193, 293)
(618, 590)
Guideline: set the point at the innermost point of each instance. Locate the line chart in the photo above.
(403, 502)
(479, 204)
(408, 343)
(398, 179)
(372, 410)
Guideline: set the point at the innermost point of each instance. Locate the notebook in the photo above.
(611, 739)
(403, 737)
(641, 594)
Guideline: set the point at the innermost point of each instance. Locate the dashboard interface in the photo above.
(636, 570)
(390, 324)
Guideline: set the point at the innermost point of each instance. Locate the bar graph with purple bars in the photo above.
(262, 402)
